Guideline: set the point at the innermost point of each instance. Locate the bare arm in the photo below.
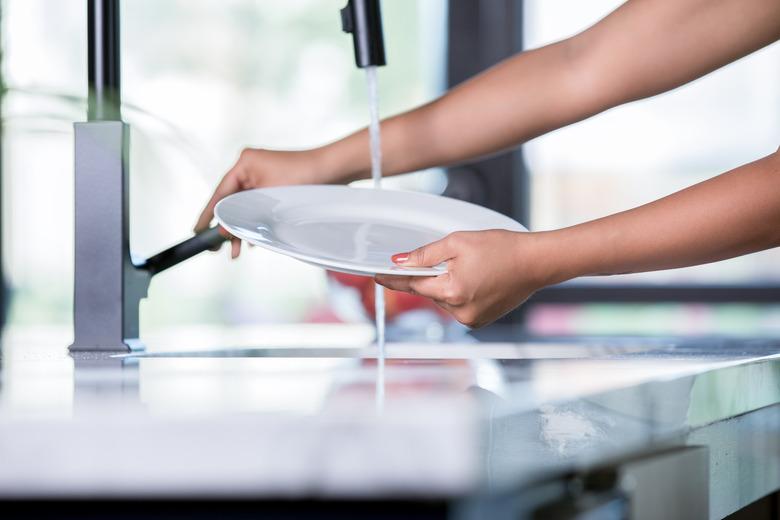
(641, 49)
(730, 215)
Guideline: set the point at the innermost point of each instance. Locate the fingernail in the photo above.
(400, 258)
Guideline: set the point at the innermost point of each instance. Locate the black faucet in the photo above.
(363, 19)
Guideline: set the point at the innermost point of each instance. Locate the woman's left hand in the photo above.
(489, 273)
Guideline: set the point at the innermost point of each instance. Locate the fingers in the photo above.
(440, 290)
(235, 247)
(429, 255)
(434, 287)
(224, 234)
(227, 186)
(395, 283)
(437, 288)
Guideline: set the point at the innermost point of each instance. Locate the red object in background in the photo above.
(395, 302)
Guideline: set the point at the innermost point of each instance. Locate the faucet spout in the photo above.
(363, 18)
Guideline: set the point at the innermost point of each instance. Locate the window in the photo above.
(201, 80)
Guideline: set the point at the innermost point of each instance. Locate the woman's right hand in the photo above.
(258, 168)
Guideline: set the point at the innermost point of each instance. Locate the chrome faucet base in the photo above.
(107, 286)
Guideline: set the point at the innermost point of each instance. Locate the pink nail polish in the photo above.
(400, 258)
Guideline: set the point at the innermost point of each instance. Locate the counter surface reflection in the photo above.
(184, 420)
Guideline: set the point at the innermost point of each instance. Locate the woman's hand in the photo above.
(489, 273)
(257, 168)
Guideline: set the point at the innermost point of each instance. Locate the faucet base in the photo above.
(107, 286)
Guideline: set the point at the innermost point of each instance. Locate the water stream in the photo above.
(376, 175)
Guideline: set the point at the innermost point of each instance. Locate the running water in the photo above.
(373, 128)
(376, 176)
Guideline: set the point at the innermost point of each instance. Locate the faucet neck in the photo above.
(104, 98)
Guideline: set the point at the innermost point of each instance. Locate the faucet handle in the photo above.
(207, 240)
(347, 22)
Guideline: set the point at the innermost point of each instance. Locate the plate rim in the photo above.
(336, 265)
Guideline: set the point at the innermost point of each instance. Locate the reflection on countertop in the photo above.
(299, 418)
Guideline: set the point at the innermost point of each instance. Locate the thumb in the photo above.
(426, 256)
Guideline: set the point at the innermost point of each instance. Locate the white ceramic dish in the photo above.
(352, 230)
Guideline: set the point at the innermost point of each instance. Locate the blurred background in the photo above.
(204, 79)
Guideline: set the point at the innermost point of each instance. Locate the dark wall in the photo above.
(480, 34)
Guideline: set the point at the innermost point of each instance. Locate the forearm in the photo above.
(643, 48)
(518, 99)
(646, 47)
(730, 215)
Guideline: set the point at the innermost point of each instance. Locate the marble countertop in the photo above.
(303, 419)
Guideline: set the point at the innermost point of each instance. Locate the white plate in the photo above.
(352, 230)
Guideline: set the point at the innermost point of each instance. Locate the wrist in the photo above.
(551, 259)
(337, 163)
(323, 166)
